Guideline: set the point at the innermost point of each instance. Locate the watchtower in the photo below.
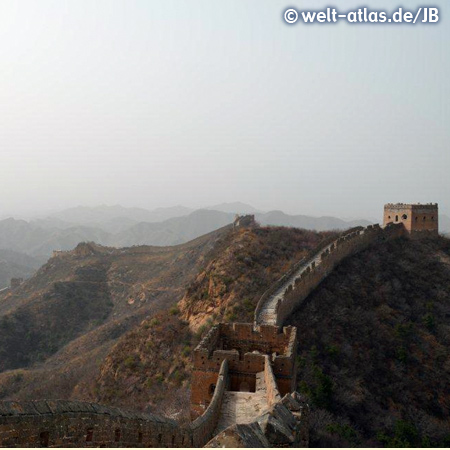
(418, 220)
(245, 348)
(16, 282)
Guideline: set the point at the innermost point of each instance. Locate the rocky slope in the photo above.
(155, 358)
(58, 326)
(373, 338)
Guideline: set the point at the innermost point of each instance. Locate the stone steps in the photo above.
(241, 407)
(267, 315)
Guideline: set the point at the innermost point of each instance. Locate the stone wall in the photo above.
(350, 242)
(282, 280)
(273, 395)
(80, 424)
(15, 283)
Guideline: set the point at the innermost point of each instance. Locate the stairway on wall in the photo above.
(243, 407)
(268, 313)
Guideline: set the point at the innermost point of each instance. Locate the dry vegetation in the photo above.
(119, 327)
(58, 327)
(150, 367)
(374, 348)
(239, 272)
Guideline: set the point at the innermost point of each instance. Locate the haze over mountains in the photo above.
(118, 226)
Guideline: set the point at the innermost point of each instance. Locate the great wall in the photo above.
(244, 380)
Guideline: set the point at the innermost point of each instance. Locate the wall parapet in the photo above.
(273, 395)
(59, 423)
(203, 427)
(291, 290)
(283, 279)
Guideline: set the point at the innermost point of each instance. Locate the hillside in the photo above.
(373, 339)
(118, 327)
(156, 356)
(57, 327)
(173, 231)
(374, 348)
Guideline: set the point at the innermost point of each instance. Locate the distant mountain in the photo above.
(310, 223)
(115, 218)
(117, 226)
(33, 239)
(173, 231)
(16, 265)
(235, 208)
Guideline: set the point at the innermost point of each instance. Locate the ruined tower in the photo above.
(418, 220)
(246, 349)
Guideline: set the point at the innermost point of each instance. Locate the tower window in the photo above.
(432, 217)
(417, 219)
(396, 218)
(424, 218)
(404, 217)
(389, 217)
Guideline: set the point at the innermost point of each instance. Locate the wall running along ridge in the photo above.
(80, 424)
(288, 293)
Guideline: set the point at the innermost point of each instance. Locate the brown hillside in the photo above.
(58, 326)
(150, 366)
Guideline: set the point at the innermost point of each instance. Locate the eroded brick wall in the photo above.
(273, 394)
(202, 428)
(245, 348)
(80, 424)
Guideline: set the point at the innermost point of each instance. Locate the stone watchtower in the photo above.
(418, 220)
(246, 349)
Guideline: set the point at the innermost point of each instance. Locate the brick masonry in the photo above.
(80, 424)
(418, 220)
(246, 348)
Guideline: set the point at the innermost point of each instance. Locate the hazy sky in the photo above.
(156, 103)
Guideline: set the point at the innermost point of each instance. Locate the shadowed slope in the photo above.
(374, 340)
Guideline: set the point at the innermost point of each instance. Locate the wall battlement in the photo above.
(294, 287)
(79, 424)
